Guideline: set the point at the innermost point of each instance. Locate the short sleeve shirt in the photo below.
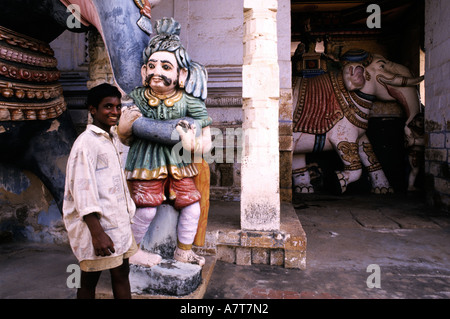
(95, 183)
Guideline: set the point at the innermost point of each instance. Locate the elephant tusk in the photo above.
(398, 80)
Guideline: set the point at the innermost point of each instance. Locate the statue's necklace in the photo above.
(154, 99)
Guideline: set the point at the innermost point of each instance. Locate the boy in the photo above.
(97, 205)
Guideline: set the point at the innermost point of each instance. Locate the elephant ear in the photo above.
(197, 82)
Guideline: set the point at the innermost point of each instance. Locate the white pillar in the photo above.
(260, 193)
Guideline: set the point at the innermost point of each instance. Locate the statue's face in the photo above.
(161, 72)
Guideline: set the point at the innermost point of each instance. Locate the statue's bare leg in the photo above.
(300, 176)
(301, 181)
(348, 152)
(380, 183)
(186, 229)
(141, 221)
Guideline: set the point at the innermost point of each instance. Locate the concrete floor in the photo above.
(406, 239)
(346, 234)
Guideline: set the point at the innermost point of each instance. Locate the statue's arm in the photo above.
(165, 132)
(133, 124)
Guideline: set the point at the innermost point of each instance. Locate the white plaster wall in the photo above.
(437, 104)
(284, 43)
(70, 57)
(211, 30)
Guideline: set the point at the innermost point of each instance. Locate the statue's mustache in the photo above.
(165, 79)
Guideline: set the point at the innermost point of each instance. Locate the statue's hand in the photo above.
(128, 117)
(187, 134)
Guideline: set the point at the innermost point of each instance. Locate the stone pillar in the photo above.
(437, 104)
(260, 192)
(286, 107)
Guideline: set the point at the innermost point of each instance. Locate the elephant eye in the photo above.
(382, 63)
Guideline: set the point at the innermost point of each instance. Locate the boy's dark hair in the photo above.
(99, 92)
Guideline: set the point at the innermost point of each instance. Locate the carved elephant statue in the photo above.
(36, 131)
(331, 112)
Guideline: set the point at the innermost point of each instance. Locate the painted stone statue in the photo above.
(332, 113)
(166, 126)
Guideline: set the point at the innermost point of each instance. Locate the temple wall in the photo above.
(437, 111)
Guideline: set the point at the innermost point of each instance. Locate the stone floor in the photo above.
(406, 239)
(346, 234)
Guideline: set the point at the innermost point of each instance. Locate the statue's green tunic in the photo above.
(148, 160)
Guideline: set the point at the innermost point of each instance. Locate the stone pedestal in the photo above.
(170, 277)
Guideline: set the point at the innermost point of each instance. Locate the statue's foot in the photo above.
(303, 189)
(383, 190)
(301, 181)
(188, 256)
(145, 258)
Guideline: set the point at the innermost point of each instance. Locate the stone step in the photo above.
(228, 242)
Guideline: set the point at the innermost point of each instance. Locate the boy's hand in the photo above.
(103, 245)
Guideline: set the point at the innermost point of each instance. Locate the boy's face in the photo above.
(107, 114)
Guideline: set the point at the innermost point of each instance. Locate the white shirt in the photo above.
(95, 183)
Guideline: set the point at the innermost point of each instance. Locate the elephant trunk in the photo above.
(398, 80)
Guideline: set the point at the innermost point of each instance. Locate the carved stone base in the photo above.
(170, 277)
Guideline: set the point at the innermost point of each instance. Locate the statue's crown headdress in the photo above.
(167, 39)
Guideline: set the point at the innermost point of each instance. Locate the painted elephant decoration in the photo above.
(36, 131)
(332, 112)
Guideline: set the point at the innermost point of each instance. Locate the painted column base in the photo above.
(226, 241)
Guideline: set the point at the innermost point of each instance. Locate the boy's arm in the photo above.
(103, 245)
